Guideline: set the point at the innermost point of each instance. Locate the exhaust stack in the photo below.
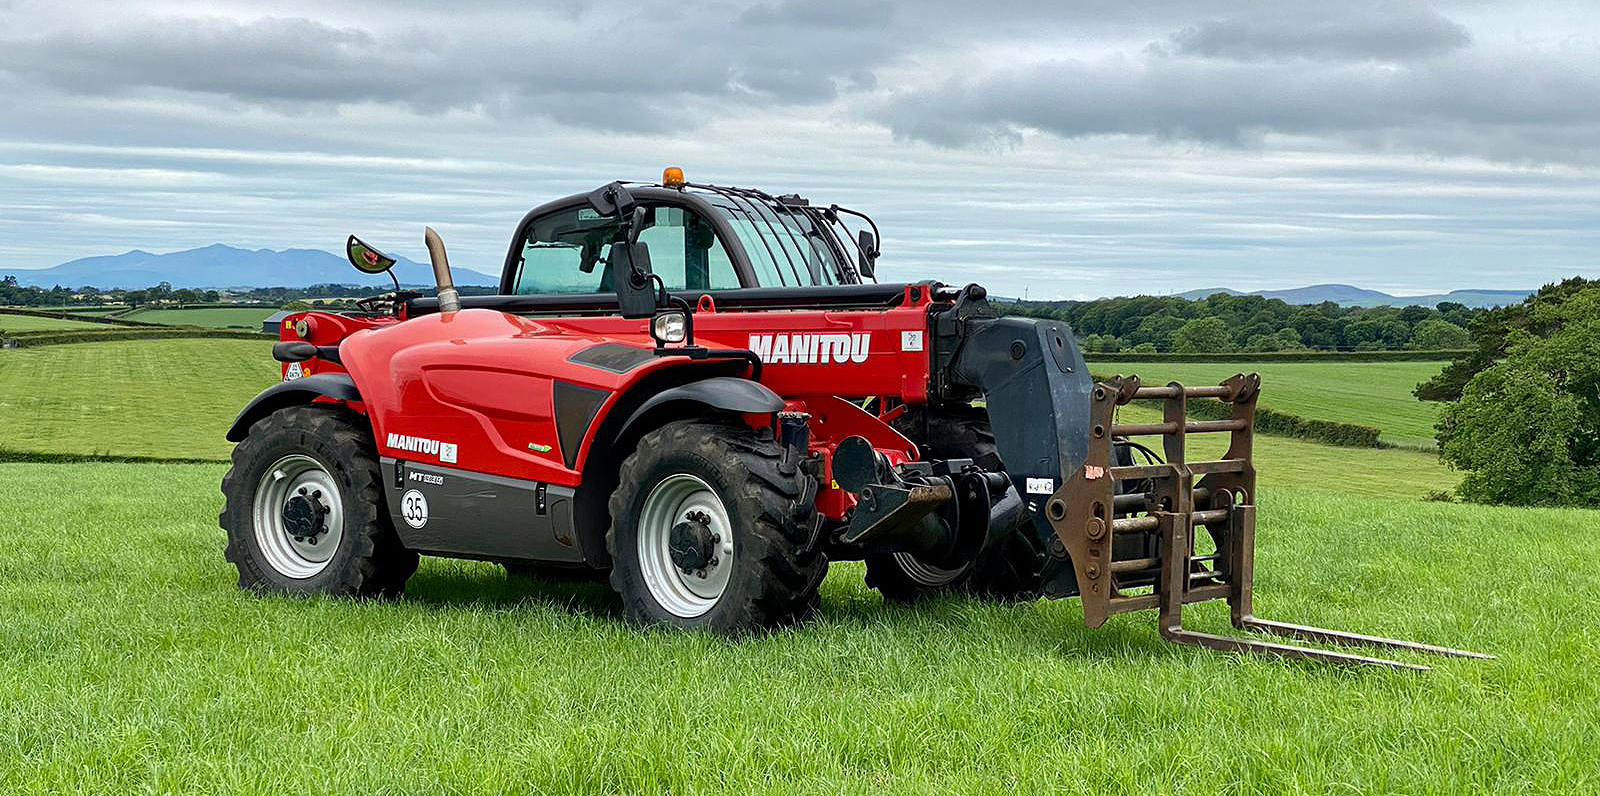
(449, 299)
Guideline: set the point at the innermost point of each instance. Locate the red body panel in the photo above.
(483, 381)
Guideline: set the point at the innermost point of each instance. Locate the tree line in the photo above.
(15, 295)
(1224, 323)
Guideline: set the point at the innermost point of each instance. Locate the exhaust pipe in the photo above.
(449, 299)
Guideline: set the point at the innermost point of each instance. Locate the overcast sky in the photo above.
(1062, 148)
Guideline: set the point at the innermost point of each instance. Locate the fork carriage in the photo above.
(1134, 549)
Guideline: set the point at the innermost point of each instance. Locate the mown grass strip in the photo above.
(47, 338)
(1376, 394)
(1283, 356)
(69, 316)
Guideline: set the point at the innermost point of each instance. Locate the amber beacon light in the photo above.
(672, 177)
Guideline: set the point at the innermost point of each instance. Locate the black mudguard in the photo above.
(293, 393)
(728, 393)
(1037, 387)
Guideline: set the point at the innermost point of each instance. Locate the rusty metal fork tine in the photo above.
(1341, 637)
(1231, 644)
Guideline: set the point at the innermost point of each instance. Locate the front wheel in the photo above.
(707, 532)
(304, 508)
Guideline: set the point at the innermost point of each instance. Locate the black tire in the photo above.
(777, 565)
(1009, 570)
(368, 559)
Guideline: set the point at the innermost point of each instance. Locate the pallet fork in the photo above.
(1142, 533)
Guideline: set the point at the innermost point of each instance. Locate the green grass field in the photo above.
(1366, 393)
(59, 399)
(213, 317)
(34, 323)
(167, 398)
(1283, 462)
(129, 662)
(83, 309)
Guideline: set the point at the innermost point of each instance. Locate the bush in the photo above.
(1527, 428)
(1283, 424)
(1436, 333)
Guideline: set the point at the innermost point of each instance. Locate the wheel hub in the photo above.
(305, 516)
(692, 544)
(685, 545)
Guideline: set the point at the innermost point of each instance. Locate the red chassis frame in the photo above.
(492, 395)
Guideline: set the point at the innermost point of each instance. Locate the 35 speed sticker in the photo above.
(414, 508)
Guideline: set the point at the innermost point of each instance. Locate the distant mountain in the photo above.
(220, 266)
(1360, 297)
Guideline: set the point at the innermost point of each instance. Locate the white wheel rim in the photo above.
(284, 480)
(927, 574)
(675, 499)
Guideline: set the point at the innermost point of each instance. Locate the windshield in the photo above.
(789, 243)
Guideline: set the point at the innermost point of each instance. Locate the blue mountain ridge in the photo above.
(1359, 297)
(223, 266)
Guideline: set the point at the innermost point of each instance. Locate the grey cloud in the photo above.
(852, 14)
(555, 67)
(1385, 31)
(1546, 102)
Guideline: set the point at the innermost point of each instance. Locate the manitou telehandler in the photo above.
(703, 391)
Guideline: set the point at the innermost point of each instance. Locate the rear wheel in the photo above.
(707, 532)
(304, 509)
(1008, 570)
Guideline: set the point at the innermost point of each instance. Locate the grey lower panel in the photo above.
(445, 511)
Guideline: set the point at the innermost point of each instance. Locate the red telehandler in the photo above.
(703, 391)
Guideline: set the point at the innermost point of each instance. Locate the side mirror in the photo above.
(636, 223)
(612, 199)
(629, 264)
(365, 258)
(867, 247)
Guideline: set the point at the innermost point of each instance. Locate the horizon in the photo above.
(1061, 151)
(1021, 297)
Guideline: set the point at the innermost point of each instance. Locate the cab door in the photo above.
(565, 250)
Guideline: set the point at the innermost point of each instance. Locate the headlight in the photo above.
(669, 327)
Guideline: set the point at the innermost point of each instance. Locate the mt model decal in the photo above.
(805, 349)
(446, 451)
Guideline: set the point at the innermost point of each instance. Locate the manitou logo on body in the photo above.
(805, 349)
(445, 451)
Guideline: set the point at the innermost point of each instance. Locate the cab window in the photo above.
(566, 251)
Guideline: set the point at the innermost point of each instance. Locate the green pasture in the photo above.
(1365, 393)
(130, 663)
(214, 317)
(165, 398)
(176, 398)
(83, 309)
(35, 323)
